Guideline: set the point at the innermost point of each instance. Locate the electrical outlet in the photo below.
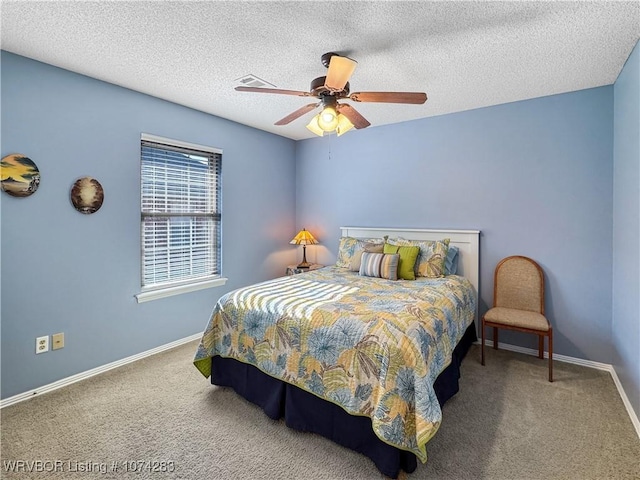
(42, 344)
(57, 341)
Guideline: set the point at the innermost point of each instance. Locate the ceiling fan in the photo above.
(335, 116)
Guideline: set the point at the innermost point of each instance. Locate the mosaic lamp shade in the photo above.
(304, 238)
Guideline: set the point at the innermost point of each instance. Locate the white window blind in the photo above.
(180, 214)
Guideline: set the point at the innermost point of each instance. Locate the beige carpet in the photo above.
(507, 422)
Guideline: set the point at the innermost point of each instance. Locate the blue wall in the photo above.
(534, 176)
(67, 272)
(626, 228)
(538, 177)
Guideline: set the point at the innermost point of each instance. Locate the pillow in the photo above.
(432, 257)
(368, 247)
(451, 262)
(408, 256)
(349, 246)
(380, 265)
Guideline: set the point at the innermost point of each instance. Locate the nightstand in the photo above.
(293, 269)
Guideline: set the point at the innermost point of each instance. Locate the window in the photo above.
(180, 215)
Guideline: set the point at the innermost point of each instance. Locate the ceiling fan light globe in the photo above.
(314, 127)
(328, 120)
(344, 125)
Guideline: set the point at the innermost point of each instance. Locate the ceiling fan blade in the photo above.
(274, 90)
(298, 113)
(353, 115)
(389, 97)
(339, 73)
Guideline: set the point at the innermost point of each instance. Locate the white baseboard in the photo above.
(625, 400)
(585, 363)
(504, 346)
(94, 371)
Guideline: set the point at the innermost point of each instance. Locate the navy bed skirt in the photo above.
(305, 412)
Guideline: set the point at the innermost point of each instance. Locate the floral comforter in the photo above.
(373, 346)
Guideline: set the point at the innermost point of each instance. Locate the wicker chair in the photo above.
(518, 303)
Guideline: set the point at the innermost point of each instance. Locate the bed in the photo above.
(365, 361)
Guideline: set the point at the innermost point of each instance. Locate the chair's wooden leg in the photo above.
(540, 346)
(483, 336)
(550, 354)
(495, 338)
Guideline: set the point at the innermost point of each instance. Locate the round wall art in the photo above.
(87, 195)
(19, 176)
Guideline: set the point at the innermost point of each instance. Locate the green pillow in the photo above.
(408, 257)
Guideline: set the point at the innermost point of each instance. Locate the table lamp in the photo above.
(304, 238)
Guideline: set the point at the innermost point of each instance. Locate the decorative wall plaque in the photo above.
(19, 176)
(87, 195)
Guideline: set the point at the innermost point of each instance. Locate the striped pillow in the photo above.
(380, 265)
(368, 247)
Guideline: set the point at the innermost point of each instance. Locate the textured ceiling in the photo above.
(464, 55)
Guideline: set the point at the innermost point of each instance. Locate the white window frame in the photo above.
(176, 287)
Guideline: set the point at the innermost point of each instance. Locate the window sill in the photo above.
(178, 289)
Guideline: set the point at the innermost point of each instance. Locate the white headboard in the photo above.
(467, 241)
